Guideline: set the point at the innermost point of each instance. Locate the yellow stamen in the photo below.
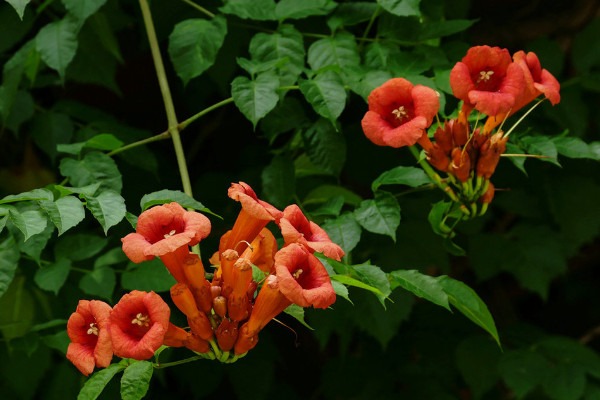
(93, 329)
(485, 76)
(170, 233)
(400, 113)
(141, 320)
(297, 273)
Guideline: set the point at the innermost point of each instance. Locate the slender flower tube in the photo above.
(296, 228)
(90, 337)
(196, 281)
(490, 153)
(138, 324)
(184, 300)
(399, 113)
(227, 334)
(166, 231)
(237, 302)
(175, 336)
(461, 164)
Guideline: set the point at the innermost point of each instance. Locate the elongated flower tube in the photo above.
(196, 281)
(175, 336)
(461, 164)
(237, 302)
(302, 278)
(487, 80)
(254, 215)
(166, 231)
(296, 228)
(399, 113)
(138, 324)
(227, 334)
(90, 337)
(490, 153)
(184, 300)
(261, 251)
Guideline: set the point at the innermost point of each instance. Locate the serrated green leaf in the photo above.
(34, 246)
(51, 129)
(35, 194)
(402, 8)
(57, 44)
(522, 370)
(258, 275)
(341, 290)
(573, 147)
(12, 74)
(325, 147)
(9, 260)
(259, 10)
(94, 386)
(29, 222)
(348, 14)
(147, 276)
(194, 45)
(344, 231)
(255, 98)
(410, 176)
(169, 196)
(439, 29)
(325, 93)
(254, 67)
(565, 382)
(136, 380)
(543, 146)
(132, 219)
(323, 193)
(288, 43)
(347, 280)
(19, 6)
(468, 302)
(293, 9)
(279, 180)
(111, 257)
(79, 247)
(64, 213)
(17, 309)
(94, 167)
(104, 141)
(373, 276)
(108, 208)
(420, 285)
(53, 276)
(340, 51)
(298, 313)
(99, 282)
(519, 162)
(333, 266)
(331, 207)
(379, 215)
(83, 9)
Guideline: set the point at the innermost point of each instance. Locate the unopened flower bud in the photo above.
(461, 164)
(227, 334)
(220, 306)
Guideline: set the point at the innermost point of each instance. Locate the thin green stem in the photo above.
(194, 117)
(166, 94)
(523, 117)
(368, 28)
(215, 348)
(173, 363)
(160, 136)
(432, 174)
(295, 87)
(200, 8)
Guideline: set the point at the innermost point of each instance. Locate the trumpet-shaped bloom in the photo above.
(138, 324)
(296, 228)
(399, 113)
(487, 80)
(165, 231)
(302, 278)
(90, 337)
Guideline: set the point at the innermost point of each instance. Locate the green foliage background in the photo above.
(290, 80)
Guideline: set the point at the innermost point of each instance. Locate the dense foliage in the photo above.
(430, 304)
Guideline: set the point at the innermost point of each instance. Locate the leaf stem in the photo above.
(173, 363)
(200, 8)
(368, 28)
(432, 174)
(194, 117)
(166, 94)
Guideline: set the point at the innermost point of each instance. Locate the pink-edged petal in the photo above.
(134, 247)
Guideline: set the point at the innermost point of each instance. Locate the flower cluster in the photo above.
(224, 315)
(487, 80)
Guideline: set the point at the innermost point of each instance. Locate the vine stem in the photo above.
(432, 174)
(166, 94)
(173, 363)
(200, 8)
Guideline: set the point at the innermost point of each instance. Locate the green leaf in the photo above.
(436, 217)
(17, 309)
(573, 147)
(99, 282)
(331, 207)
(298, 313)
(194, 45)
(259, 10)
(340, 50)
(104, 141)
(468, 302)
(254, 67)
(402, 8)
(543, 146)
(79, 247)
(83, 9)
(279, 180)
(286, 43)
(420, 285)
(522, 370)
(349, 281)
(108, 208)
(379, 215)
(519, 162)
(410, 176)
(325, 147)
(94, 167)
(12, 74)
(111, 257)
(34, 246)
(52, 277)
(94, 386)
(293, 9)
(64, 213)
(57, 44)
(439, 29)
(9, 261)
(348, 14)
(35, 194)
(565, 382)
(344, 231)
(255, 98)
(340, 290)
(321, 194)
(477, 359)
(258, 275)
(169, 196)
(373, 276)
(19, 6)
(325, 93)
(453, 248)
(51, 129)
(147, 276)
(564, 350)
(136, 380)
(29, 222)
